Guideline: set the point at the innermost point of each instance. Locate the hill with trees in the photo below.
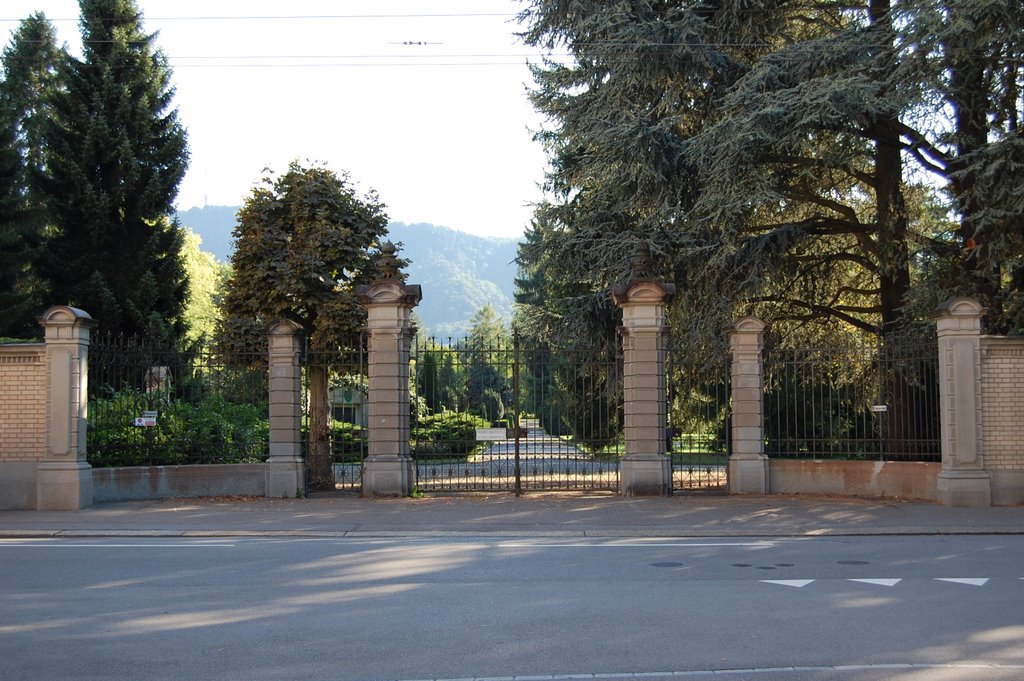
(460, 273)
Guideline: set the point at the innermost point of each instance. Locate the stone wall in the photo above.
(1002, 420)
(174, 482)
(22, 402)
(22, 422)
(882, 479)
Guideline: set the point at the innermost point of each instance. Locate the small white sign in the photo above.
(491, 434)
(149, 414)
(145, 421)
(878, 408)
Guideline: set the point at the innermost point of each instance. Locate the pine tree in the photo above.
(29, 62)
(115, 154)
(19, 241)
(759, 151)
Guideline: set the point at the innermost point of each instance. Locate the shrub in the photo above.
(209, 430)
(447, 433)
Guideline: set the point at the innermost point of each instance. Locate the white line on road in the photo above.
(970, 581)
(878, 582)
(726, 672)
(798, 583)
(645, 545)
(61, 545)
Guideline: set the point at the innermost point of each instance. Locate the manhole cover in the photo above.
(854, 562)
(667, 565)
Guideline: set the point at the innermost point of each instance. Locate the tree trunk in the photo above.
(319, 468)
(969, 97)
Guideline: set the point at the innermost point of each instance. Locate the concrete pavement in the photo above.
(505, 515)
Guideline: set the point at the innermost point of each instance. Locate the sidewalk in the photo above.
(505, 515)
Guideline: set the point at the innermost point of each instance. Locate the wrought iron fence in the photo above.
(874, 399)
(698, 440)
(334, 409)
(156, 405)
(516, 416)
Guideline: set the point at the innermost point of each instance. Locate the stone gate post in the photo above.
(285, 471)
(645, 469)
(388, 468)
(64, 478)
(748, 464)
(963, 480)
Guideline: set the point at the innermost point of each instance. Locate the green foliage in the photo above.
(206, 278)
(28, 63)
(759, 156)
(447, 433)
(302, 244)
(19, 247)
(209, 430)
(115, 153)
(349, 441)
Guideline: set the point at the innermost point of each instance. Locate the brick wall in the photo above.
(22, 403)
(1002, 403)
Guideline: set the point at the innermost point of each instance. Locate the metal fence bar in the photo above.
(335, 380)
(873, 399)
(566, 403)
(698, 416)
(153, 405)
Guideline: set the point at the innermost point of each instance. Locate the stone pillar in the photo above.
(285, 471)
(64, 478)
(748, 464)
(645, 469)
(388, 468)
(963, 480)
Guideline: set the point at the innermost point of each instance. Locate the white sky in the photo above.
(441, 131)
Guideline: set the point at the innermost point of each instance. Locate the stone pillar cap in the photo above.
(959, 307)
(643, 291)
(747, 324)
(65, 314)
(281, 327)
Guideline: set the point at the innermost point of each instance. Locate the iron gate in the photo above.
(334, 409)
(698, 439)
(512, 416)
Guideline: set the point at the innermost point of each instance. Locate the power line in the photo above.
(302, 17)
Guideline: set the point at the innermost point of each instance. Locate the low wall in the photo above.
(17, 485)
(1007, 488)
(166, 482)
(883, 479)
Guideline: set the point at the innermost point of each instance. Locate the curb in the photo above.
(516, 534)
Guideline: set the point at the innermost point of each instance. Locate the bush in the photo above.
(210, 430)
(349, 442)
(447, 433)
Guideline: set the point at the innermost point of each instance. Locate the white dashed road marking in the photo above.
(767, 671)
(879, 582)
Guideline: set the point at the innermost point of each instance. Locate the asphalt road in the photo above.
(811, 609)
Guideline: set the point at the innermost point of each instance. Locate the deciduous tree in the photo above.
(302, 243)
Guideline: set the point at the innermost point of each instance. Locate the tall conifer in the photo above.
(29, 63)
(115, 155)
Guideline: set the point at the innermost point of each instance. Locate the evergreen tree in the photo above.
(29, 85)
(19, 241)
(302, 244)
(758, 151)
(114, 156)
(487, 372)
(28, 64)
